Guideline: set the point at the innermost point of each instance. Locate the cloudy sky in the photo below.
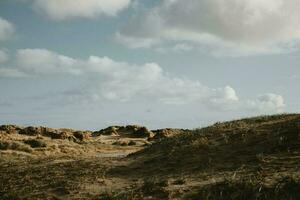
(89, 64)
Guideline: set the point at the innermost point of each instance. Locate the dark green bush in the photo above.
(35, 143)
(12, 145)
(131, 143)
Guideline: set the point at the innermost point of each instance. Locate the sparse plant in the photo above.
(179, 181)
(120, 143)
(14, 145)
(286, 188)
(131, 143)
(154, 186)
(35, 143)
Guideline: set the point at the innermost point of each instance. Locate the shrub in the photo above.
(35, 143)
(131, 143)
(155, 187)
(286, 188)
(179, 181)
(18, 146)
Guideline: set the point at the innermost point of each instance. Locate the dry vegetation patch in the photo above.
(254, 158)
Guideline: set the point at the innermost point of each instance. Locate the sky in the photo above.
(89, 64)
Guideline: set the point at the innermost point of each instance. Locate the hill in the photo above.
(253, 158)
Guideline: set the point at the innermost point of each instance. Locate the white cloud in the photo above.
(11, 73)
(267, 103)
(67, 9)
(8, 71)
(42, 61)
(224, 98)
(182, 47)
(110, 80)
(118, 81)
(6, 29)
(177, 48)
(136, 42)
(231, 27)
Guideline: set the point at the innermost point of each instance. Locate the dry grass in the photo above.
(286, 188)
(14, 145)
(255, 158)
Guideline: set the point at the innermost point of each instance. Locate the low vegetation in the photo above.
(15, 146)
(254, 158)
(286, 188)
(35, 143)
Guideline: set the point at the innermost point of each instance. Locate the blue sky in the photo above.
(166, 63)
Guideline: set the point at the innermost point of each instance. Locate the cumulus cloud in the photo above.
(8, 71)
(224, 27)
(67, 9)
(136, 42)
(224, 98)
(267, 103)
(118, 81)
(42, 61)
(110, 80)
(177, 48)
(182, 47)
(11, 73)
(6, 29)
